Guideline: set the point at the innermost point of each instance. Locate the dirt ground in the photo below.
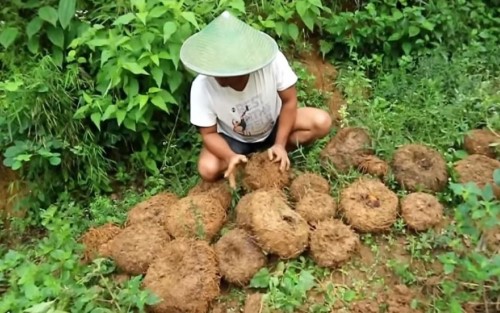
(11, 190)
(325, 74)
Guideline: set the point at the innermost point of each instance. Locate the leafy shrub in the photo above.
(48, 276)
(473, 271)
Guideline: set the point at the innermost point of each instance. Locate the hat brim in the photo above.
(228, 47)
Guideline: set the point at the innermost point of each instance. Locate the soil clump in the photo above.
(369, 206)
(184, 276)
(199, 216)
(373, 165)
(239, 257)
(315, 207)
(261, 173)
(219, 190)
(152, 209)
(95, 238)
(333, 243)
(482, 141)
(421, 211)
(478, 169)
(419, 168)
(307, 182)
(244, 208)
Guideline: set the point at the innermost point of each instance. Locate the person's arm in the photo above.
(214, 142)
(287, 116)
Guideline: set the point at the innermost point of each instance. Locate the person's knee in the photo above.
(209, 170)
(322, 124)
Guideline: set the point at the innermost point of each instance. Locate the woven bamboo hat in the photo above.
(228, 47)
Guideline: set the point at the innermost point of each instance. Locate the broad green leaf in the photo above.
(174, 50)
(302, 6)
(395, 36)
(34, 44)
(261, 279)
(55, 161)
(132, 88)
(293, 31)
(396, 14)
(159, 102)
(8, 36)
(155, 59)
(145, 136)
(238, 5)
(120, 116)
(56, 36)
(158, 11)
(407, 47)
(105, 55)
(191, 18)
(487, 193)
(496, 177)
(34, 26)
(157, 74)
(349, 295)
(167, 97)
(57, 55)
(110, 110)
(142, 16)
(134, 68)
(280, 28)
(169, 28)
(413, 31)
(130, 124)
(40, 308)
(308, 19)
(143, 99)
(48, 14)
(151, 165)
(316, 3)
(124, 19)
(174, 80)
(67, 9)
(96, 118)
(427, 25)
(139, 4)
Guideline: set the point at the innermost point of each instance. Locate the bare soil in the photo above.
(136, 246)
(482, 141)
(346, 147)
(184, 276)
(420, 168)
(239, 257)
(333, 243)
(95, 238)
(253, 303)
(306, 182)
(421, 211)
(396, 300)
(325, 75)
(218, 190)
(152, 209)
(369, 206)
(261, 173)
(316, 206)
(12, 190)
(199, 216)
(478, 169)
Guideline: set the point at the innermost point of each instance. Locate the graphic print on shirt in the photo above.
(252, 117)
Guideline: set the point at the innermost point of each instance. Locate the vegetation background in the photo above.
(94, 118)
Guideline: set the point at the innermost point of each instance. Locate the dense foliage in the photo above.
(93, 96)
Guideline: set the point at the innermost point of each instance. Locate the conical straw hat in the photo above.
(228, 47)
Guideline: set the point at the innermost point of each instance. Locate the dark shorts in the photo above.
(246, 148)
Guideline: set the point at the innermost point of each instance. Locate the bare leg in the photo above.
(311, 124)
(210, 167)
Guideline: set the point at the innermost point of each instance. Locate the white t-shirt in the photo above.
(248, 115)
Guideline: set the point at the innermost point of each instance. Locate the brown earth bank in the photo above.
(325, 75)
(11, 192)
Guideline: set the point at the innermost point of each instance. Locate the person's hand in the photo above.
(277, 153)
(233, 162)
